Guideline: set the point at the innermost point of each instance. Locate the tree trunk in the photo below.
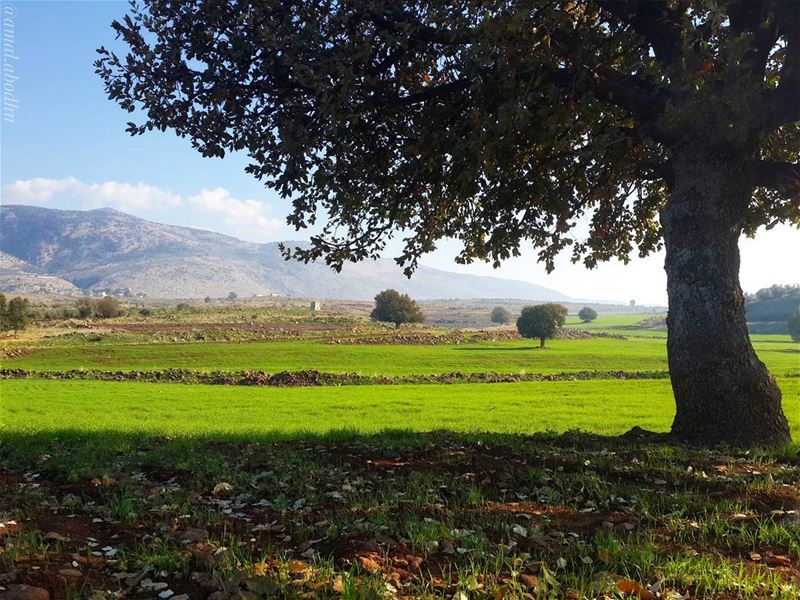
(541, 342)
(723, 392)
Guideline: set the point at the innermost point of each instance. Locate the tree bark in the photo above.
(723, 392)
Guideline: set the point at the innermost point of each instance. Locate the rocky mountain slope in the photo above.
(105, 249)
(19, 277)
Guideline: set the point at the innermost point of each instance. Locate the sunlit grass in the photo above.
(635, 354)
(601, 406)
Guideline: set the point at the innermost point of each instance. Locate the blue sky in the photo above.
(67, 149)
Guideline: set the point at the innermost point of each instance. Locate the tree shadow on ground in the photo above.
(425, 512)
(498, 348)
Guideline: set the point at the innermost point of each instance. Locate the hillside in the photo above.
(768, 310)
(105, 249)
(19, 277)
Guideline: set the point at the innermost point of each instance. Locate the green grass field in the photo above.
(607, 407)
(360, 492)
(635, 354)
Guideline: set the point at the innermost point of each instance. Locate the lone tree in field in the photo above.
(794, 325)
(542, 321)
(501, 124)
(17, 314)
(587, 314)
(500, 315)
(393, 307)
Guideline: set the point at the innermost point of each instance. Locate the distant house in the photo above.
(316, 305)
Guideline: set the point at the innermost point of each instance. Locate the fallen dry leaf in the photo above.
(369, 564)
(626, 586)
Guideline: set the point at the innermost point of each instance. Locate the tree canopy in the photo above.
(500, 315)
(15, 314)
(542, 321)
(393, 307)
(489, 122)
(587, 314)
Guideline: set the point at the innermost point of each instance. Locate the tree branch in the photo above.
(652, 20)
(779, 176)
(782, 104)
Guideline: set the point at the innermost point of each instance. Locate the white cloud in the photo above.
(124, 196)
(245, 218)
(249, 218)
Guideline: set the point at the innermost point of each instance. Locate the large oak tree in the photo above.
(501, 124)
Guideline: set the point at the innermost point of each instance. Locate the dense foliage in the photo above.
(106, 307)
(587, 314)
(15, 314)
(394, 307)
(774, 292)
(500, 315)
(542, 321)
(489, 122)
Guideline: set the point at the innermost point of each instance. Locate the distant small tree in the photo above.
(393, 307)
(794, 325)
(587, 314)
(145, 312)
(207, 299)
(500, 315)
(233, 296)
(542, 321)
(183, 306)
(108, 308)
(17, 314)
(85, 307)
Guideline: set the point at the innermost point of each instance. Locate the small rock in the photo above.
(26, 592)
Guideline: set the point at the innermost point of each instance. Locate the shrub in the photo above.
(85, 307)
(183, 306)
(587, 314)
(394, 307)
(542, 321)
(794, 325)
(108, 308)
(500, 315)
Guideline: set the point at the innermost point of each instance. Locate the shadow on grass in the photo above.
(498, 348)
(73, 451)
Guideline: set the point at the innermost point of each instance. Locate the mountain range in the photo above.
(73, 251)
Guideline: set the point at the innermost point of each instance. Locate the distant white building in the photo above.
(316, 305)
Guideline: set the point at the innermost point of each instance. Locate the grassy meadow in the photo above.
(519, 489)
